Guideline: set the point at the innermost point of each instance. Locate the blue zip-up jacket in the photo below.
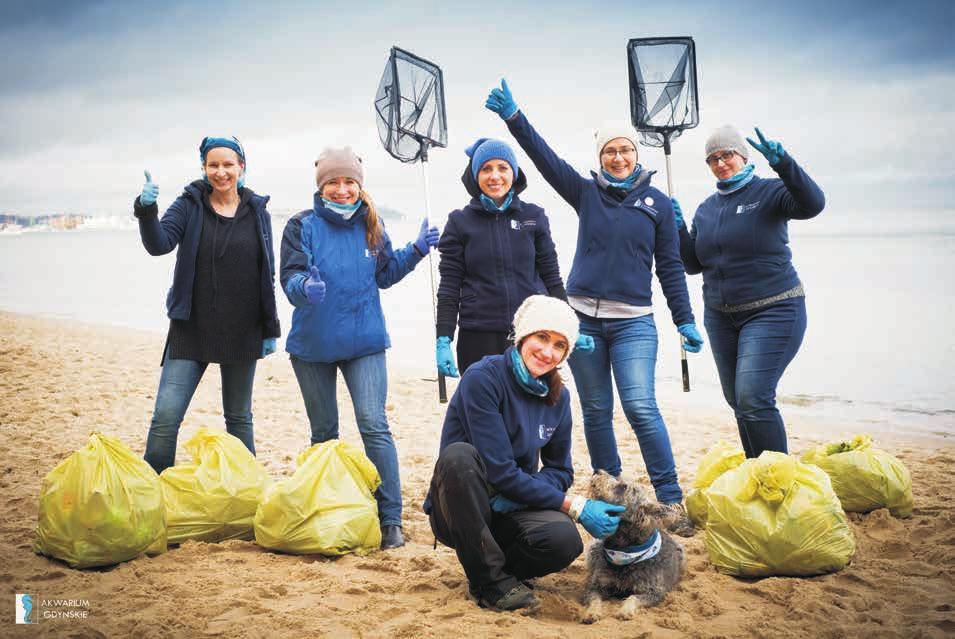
(525, 444)
(740, 241)
(618, 241)
(181, 225)
(491, 262)
(349, 322)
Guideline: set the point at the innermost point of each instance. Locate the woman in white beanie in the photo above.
(499, 491)
(335, 257)
(755, 307)
(626, 232)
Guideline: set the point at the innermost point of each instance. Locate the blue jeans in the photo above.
(628, 347)
(367, 381)
(177, 384)
(752, 349)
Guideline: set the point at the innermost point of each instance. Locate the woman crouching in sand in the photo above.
(507, 519)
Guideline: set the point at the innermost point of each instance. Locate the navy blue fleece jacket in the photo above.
(740, 241)
(525, 444)
(618, 240)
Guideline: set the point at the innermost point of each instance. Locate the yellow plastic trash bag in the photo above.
(865, 478)
(214, 498)
(327, 507)
(775, 515)
(100, 506)
(717, 460)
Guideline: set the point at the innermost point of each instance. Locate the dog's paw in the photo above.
(628, 610)
(593, 612)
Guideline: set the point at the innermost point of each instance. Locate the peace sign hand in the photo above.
(773, 151)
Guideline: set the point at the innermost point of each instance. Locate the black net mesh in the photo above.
(410, 106)
(663, 90)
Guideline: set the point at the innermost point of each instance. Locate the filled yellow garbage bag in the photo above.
(717, 460)
(775, 515)
(215, 497)
(100, 506)
(327, 507)
(865, 478)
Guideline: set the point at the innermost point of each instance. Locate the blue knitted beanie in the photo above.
(485, 149)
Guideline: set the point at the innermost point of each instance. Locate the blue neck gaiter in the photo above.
(626, 184)
(491, 207)
(345, 210)
(533, 385)
(738, 181)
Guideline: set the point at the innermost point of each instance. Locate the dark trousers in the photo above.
(474, 345)
(752, 350)
(496, 551)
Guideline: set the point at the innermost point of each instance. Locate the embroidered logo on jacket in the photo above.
(545, 432)
(745, 208)
(517, 225)
(371, 253)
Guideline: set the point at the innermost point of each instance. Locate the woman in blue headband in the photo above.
(495, 252)
(221, 305)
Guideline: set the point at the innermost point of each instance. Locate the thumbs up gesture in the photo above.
(150, 191)
(314, 287)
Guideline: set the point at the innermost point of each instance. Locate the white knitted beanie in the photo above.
(612, 131)
(726, 138)
(543, 313)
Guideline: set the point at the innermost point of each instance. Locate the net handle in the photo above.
(442, 386)
(684, 365)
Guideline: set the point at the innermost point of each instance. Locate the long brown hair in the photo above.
(373, 231)
(555, 383)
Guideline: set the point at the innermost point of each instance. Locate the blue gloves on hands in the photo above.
(678, 213)
(503, 505)
(427, 237)
(268, 346)
(445, 358)
(584, 344)
(597, 518)
(314, 287)
(501, 101)
(150, 191)
(773, 151)
(692, 340)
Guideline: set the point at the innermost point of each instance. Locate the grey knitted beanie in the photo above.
(726, 138)
(334, 163)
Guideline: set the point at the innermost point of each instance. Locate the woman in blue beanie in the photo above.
(335, 257)
(625, 231)
(221, 305)
(495, 252)
(755, 306)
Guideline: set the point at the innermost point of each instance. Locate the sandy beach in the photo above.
(61, 380)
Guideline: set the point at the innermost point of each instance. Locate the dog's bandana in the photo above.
(634, 554)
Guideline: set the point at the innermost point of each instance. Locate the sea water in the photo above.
(880, 300)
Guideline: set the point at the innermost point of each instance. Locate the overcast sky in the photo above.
(861, 94)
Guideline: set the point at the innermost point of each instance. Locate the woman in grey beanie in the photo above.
(755, 308)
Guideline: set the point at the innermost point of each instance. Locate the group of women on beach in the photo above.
(498, 494)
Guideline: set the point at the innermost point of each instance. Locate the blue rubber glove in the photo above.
(268, 346)
(598, 518)
(503, 505)
(692, 340)
(501, 101)
(314, 287)
(678, 213)
(427, 237)
(150, 191)
(773, 151)
(445, 358)
(584, 344)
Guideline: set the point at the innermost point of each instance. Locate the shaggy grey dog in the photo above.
(644, 583)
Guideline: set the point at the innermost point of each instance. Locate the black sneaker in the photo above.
(391, 537)
(520, 596)
(680, 523)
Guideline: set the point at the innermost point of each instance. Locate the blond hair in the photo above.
(374, 234)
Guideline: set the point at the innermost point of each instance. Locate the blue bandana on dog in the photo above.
(633, 554)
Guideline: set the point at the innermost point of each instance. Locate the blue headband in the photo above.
(209, 143)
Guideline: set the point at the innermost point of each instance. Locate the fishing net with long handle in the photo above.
(409, 105)
(664, 102)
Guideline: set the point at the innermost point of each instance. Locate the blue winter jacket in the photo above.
(618, 241)
(181, 225)
(524, 443)
(740, 241)
(491, 262)
(349, 322)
